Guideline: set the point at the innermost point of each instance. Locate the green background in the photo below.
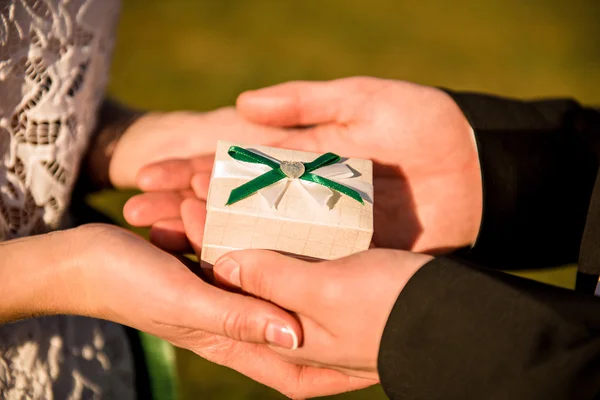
(199, 54)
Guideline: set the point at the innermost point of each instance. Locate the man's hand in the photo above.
(343, 305)
(428, 193)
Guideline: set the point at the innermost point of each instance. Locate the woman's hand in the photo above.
(343, 305)
(160, 136)
(428, 195)
(130, 281)
(107, 272)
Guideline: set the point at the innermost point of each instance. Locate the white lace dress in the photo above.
(54, 60)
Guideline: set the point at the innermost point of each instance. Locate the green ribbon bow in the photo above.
(276, 174)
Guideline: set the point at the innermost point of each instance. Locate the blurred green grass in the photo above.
(185, 54)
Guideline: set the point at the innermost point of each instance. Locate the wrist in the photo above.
(470, 178)
(475, 187)
(398, 272)
(114, 121)
(129, 151)
(39, 276)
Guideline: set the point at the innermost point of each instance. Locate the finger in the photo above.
(148, 208)
(193, 215)
(200, 184)
(261, 364)
(190, 304)
(293, 103)
(283, 280)
(237, 316)
(172, 174)
(170, 236)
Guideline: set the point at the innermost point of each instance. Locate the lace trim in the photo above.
(54, 59)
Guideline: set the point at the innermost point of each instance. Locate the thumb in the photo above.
(293, 103)
(285, 281)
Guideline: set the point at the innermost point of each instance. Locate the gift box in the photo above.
(315, 206)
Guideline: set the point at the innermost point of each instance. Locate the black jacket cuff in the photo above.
(538, 173)
(460, 332)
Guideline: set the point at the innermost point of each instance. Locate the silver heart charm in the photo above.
(292, 169)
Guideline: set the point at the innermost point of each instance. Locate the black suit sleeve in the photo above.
(460, 332)
(539, 161)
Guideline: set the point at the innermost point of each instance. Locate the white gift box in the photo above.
(292, 216)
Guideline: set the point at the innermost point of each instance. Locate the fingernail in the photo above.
(228, 270)
(280, 335)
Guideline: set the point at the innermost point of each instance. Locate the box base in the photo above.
(210, 255)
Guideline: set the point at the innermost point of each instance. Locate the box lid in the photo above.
(296, 203)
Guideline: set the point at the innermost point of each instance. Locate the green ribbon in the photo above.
(276, 174)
